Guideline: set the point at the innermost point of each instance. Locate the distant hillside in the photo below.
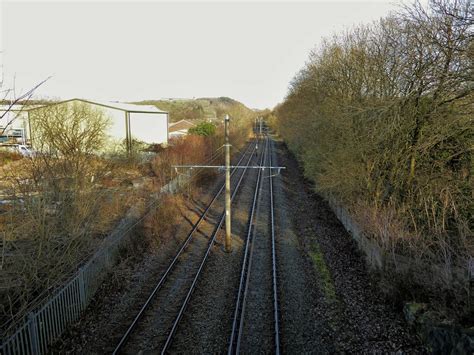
(202, 108)
(199, 109)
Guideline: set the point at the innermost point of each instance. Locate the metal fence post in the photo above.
(82, 288)
(107, 257)
(470, 280)
(34, 336)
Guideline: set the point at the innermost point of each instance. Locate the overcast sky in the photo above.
(130, 51)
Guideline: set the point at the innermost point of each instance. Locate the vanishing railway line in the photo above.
(188, 296)
(172, 316)
(257, 296)
(163, 299)
(155, 325)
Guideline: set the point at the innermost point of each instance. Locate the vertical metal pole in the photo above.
(470, 268)
(29, 129)
(257, 136)
(82, 289)
(34, 336)
(127, 135)
(228, 229)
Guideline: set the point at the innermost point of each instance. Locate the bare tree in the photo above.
(381, 117)
(59, 206)
(10, 103)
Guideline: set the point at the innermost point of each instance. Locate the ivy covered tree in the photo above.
(203, 129)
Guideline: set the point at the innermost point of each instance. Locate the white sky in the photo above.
(131, 51)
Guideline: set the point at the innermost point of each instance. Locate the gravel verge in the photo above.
(355, 317)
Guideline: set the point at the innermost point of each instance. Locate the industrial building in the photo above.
(128, 122)
(14, 124)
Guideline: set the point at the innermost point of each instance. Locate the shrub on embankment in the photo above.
(56, 207)
(381, 119)
(197, 149)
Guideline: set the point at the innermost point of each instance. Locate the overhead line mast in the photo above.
(228, 167)
(228, 228)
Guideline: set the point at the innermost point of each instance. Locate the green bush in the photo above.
(203, 129)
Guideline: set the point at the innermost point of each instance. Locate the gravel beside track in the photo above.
(305, 323)
(340, 299)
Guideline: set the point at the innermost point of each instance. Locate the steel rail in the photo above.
(163, 278)
(249, 269)
(245, 267)
(239, 314)
(274, 264)
(172, 332)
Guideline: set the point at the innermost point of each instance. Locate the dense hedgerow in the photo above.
(381, 117)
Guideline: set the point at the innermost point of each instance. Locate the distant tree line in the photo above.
(381, 118)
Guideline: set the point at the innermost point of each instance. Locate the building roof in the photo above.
(127, 107)
(16, 108)
(134, 108)
(182, 125)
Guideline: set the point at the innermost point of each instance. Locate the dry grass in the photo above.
(191, 149)
(159, 225)
(8, 157)
(53, 223)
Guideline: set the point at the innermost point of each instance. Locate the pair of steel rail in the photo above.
(181, 250)
(236, 337)
(239, 314)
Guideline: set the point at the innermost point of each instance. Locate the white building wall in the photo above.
(116, 130)
(146, 127)
(149, 127)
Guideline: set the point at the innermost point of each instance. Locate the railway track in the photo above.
(198, 274)
(257, 296)
(165, 299)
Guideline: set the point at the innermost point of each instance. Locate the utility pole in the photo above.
(228, 229)
(227, 166)
(255, 133)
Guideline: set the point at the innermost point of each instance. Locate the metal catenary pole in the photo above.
(228, 229)
(228, 167)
